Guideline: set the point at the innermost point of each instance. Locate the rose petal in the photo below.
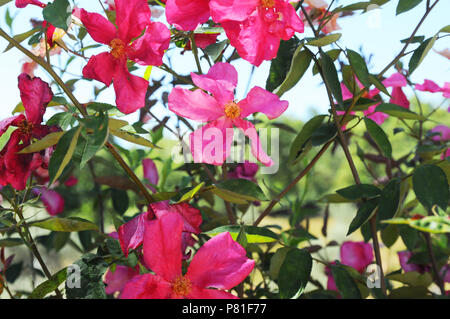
(249, 130)
(195, 105)
(220, 263)
(35, 95)
(211, 143)
(260, 100)
(99, 28)
(162, 246)
(149, 49)
(146, 286)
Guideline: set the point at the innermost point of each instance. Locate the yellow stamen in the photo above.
(268, 3)
(117, 48)
(232, 110)
(181, 286)
(25, 127)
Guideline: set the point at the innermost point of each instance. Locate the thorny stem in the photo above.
(80, 108)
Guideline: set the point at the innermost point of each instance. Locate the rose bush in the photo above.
(152, 207)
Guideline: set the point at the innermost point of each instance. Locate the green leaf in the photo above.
(49, 285)
(359, 66)
(326, 40)
(420, 53)
(190, 194)
(398, 111)
(255, 235)
(21, 37)
(333, 53)
(358, 191)
(445, 29)
(242, 237)
(42, 144)
(379, 136)
(276, 261)
(412, 278)
(59, 14)
(345, 283)
(323, 134)
(95, 141)
(245, 188)
(11, 242)
(378, 84)
(431, 186)
(64, 224)
(389, 235)
(389, 200)
(294, 273)
(409, 236)
(63, 153)
(120, 200)
(280, 66)
(432, 224)
(215, 50)
(3, 2)
(365, 212)
(304, 135)
(406, 5)
(132, 138)
(92, 268)
(331, 77)
(300, 63)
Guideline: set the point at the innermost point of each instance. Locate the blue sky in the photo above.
(378, 32)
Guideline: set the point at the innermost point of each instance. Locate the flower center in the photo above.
(181, 286)
(117, 48)
(232, 110)
(25, 127)
(268, 3)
